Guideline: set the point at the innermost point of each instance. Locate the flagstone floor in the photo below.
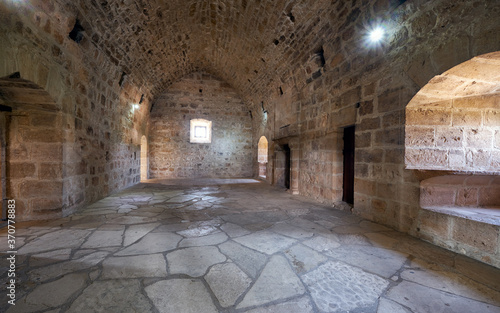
(220, 245)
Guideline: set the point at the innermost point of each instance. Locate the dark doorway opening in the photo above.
(348, 187)
(288, 154)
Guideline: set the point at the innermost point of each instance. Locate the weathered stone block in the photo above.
(38, 136)
(20, 170)
(428, 117)
(42, 204)
(390, 100)
(44, 120)
(471, 118)
(363, 140)
(389, 137)
(431, 158)
(50, 171)
(492, 118)
(420, 136)
(467, 197)
(363, 186)
(490, 196)
(38, 189)
(435, 224)
(449, 137)
(432, 196)
(483, 237)
(368, 124)
(479, 138)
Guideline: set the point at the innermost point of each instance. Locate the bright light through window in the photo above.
(200, 131)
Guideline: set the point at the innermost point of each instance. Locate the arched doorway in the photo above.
(144, 158)
(262, 156)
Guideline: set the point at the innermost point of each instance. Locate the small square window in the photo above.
(200, 131)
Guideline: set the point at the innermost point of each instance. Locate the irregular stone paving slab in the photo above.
(124, 296)
(242, 219)
(453, 283)
(265, 242)
(152, 243)
(276, 282)
(424, 299)
(291, 231)
(209, 240)
(50, 295)
(381, 240)
(339, 287)
(65, 238)
(322, 244)
(152, 265)
(136, 232)
(376, 260)
(301, 305)
(233, 230)
(303, 258)
(194, 261)
(388, 306)
(250, 261)
(104, 238)
(56, 270)
(227, 282)
(180, 295)
(198, 231)
(127, 220)
(182, 199)
(47, 258)
(353, 239)
(309, 226)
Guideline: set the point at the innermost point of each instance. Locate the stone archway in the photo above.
(144, 159)
(262, 156)
(33, 139)
(453, 135)
(453, 122)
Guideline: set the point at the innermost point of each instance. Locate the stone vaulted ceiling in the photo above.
(250, 44)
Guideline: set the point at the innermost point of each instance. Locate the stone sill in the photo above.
(487, 215)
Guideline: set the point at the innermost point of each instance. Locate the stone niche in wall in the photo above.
(453, 123)
(453, 133)
(200, 96)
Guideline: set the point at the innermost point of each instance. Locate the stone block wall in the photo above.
(460, 212)
(461, 191)
(200, 95)
(370, 87)
(460, 134)
(34, 168)
(89, 146)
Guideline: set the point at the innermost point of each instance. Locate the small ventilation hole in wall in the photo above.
(76, 33)
(321, 56)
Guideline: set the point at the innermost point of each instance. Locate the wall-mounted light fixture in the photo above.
(376, 34)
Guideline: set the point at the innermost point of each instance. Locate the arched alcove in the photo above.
(453, 132)
(144, 158)
(32, 158)
(453, 123)
(262, 156)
